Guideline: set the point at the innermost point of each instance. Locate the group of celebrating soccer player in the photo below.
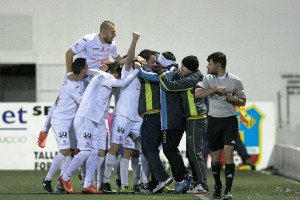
(156, 101)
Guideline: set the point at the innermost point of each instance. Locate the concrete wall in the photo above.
(260, 38)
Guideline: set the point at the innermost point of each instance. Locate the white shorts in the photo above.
(121, 131)
(64, 135)
(90, 135)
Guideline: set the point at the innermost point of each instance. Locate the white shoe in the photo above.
(163, 184)
(197, 190)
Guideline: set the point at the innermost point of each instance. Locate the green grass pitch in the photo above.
(247, 185)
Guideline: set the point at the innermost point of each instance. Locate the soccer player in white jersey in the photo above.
(95, 48)
(62, 120)
(90, 128)
(125, 129)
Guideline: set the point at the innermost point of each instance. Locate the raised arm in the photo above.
(69, 60)
(131, 51)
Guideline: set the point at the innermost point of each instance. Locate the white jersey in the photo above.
(69, 97)
(127, 104)
(96, 96)
(90, 48)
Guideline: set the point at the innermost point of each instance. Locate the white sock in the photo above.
(47, 124)
(109, 163)
(75, 163)
(58, 159)
(124, 164)
(91, 165)
(98, 171)
(83, 170)
(145, 169)
(136, 168)
(65, 164)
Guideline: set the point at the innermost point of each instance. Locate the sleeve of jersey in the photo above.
(150, 76)
(186, 83)
(240, 92)
(114, 50)
(124, 82)
(79, 45)
(205, 82)
(75, 90)
(94, 72)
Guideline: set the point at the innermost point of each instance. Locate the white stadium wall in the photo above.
(260, 38)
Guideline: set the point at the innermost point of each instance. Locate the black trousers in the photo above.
(171, 140)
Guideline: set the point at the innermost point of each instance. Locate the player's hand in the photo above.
(231, 98)
(135, 36)
(137, 65)
(140, 60)
(103, 67)
(221, 89)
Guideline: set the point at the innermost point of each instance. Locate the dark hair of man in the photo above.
(114, 68)
(146, 54)
(218, 58)
(169, 55)
(78, 65)
(105, 26)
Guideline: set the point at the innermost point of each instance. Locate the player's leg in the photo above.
(230, 138)
(62, 136)
(116, 139)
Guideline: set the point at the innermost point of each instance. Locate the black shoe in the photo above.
(47, 185)
(137, 188)
(107, 188)
(250, 163)
(152, 185)
(227, 195)
(145, 188)
(217, 192)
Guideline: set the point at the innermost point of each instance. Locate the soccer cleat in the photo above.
(145, 188)
(106, 188)
(91, 190)
(250, 163)
(59, 189)
(66, 185)
(137, 188)
(118, 185)
(47, 185)
(163, 184)
(217, 192)
(42, 139)
(181, 187)
(168, 189)
(227, 195)
(188, 178)
(126, 190)
(197, 190)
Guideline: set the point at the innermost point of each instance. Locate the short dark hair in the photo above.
(78, 65)
(169, 55)
(218, 57)
(146, 54)
(114, 67)
(105, 26)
